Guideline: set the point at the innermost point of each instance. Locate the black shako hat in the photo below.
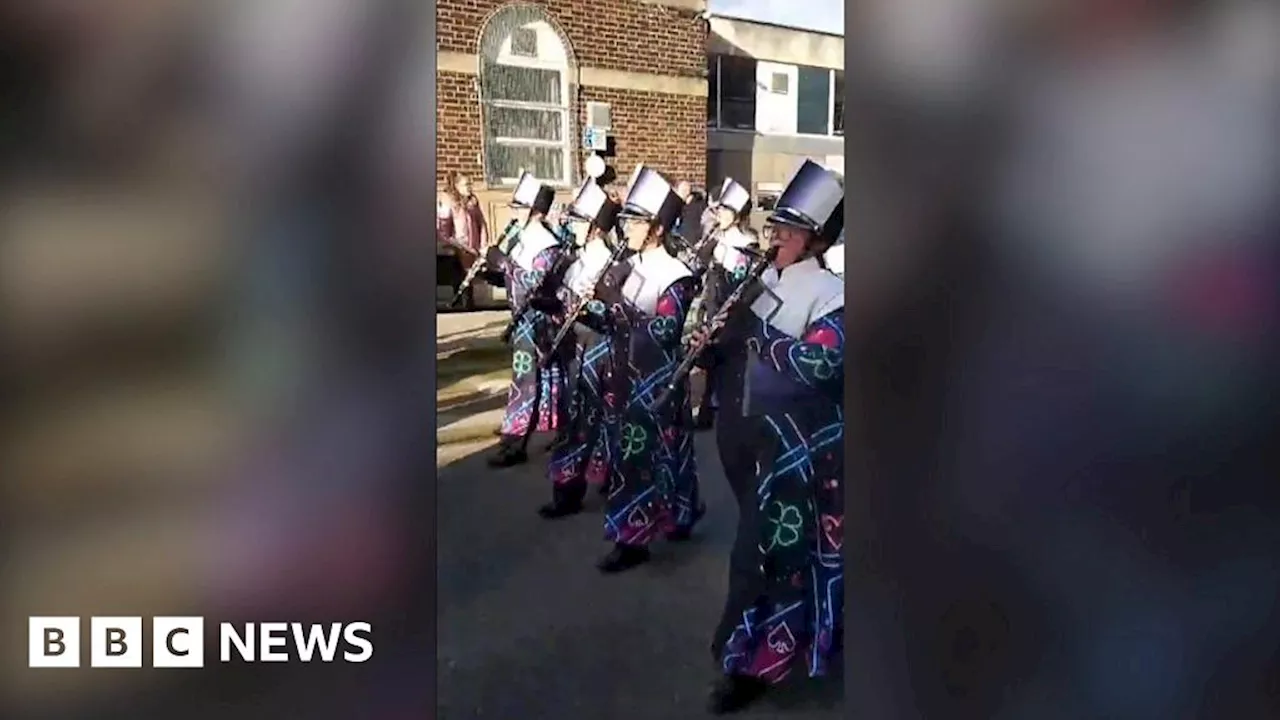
(651, 197)
(532, 194)
(592, 205)
(813, 200)
(732, 196)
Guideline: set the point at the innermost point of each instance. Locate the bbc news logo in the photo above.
(178, 642)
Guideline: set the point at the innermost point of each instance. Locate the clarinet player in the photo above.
(780, 437)
(582, 460)
(530, 268)
(726, 258)
(653, 477)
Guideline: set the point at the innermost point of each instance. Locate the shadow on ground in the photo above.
(451, 342)
(528, 629)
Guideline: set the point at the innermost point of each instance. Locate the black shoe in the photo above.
(733, 693)
(705, 420)
(554, 510)
(508, 457)
(685, 533)
(622, 558)
(557, 442)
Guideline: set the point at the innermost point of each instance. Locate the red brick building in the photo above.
(516, 82)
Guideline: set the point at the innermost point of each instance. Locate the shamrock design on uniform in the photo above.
(522, 361)
(787, 523)
(633, 440)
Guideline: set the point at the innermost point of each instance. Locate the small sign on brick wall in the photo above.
(595, 139)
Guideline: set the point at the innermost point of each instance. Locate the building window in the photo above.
(813, 101)
(526, 91)
(713, 91)
(737, 90)
(524, 42)
(732, 88)
(837, 102)
(779, 84)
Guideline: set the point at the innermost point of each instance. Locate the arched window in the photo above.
(526, 88)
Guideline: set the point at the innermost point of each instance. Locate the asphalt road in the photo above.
(529, 629)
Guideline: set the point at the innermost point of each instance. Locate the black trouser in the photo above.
(736, 441)
(710, 377)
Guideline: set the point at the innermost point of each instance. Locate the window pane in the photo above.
(713, 90)
(506, 161)
(524, 42)
(525, 124)
(813, 101)
(521, 84)
(838, 119)
(737, 92)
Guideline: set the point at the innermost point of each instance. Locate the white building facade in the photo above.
(775, 96)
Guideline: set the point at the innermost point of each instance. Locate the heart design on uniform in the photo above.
(833, 530)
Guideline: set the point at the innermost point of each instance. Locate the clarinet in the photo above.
(587, 296)
(479, 266)
(713, 326)
(704, 273)
(689, 255)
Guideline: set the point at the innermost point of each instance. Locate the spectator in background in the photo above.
(689, 226)
(461, 228)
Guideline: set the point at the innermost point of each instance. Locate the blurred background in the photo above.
(213, 225)
(1062, 275)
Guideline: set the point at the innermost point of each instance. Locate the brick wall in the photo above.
(457, 125)
(667, 131)
(612, 34)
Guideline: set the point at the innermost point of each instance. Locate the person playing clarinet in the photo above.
(653, 477)
(531, 269)
(725, 257)
(582, 460)
(780, 435)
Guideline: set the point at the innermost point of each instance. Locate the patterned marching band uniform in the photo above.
(559, 221)
(582, 460)
(726, 260)
(653, 478)
(535, 396)
(780, 439)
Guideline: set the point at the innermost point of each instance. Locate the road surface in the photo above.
(529, 629)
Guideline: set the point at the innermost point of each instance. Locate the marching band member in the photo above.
(583, 459)
(653, 481)
(535, 394)
(560, 222)
(780, 442)
(726, 258)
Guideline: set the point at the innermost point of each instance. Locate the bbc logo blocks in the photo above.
(177, 642)
(54, 642)
(116, 642)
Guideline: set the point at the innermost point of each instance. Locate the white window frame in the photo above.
(831, 108)
(566, 145)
